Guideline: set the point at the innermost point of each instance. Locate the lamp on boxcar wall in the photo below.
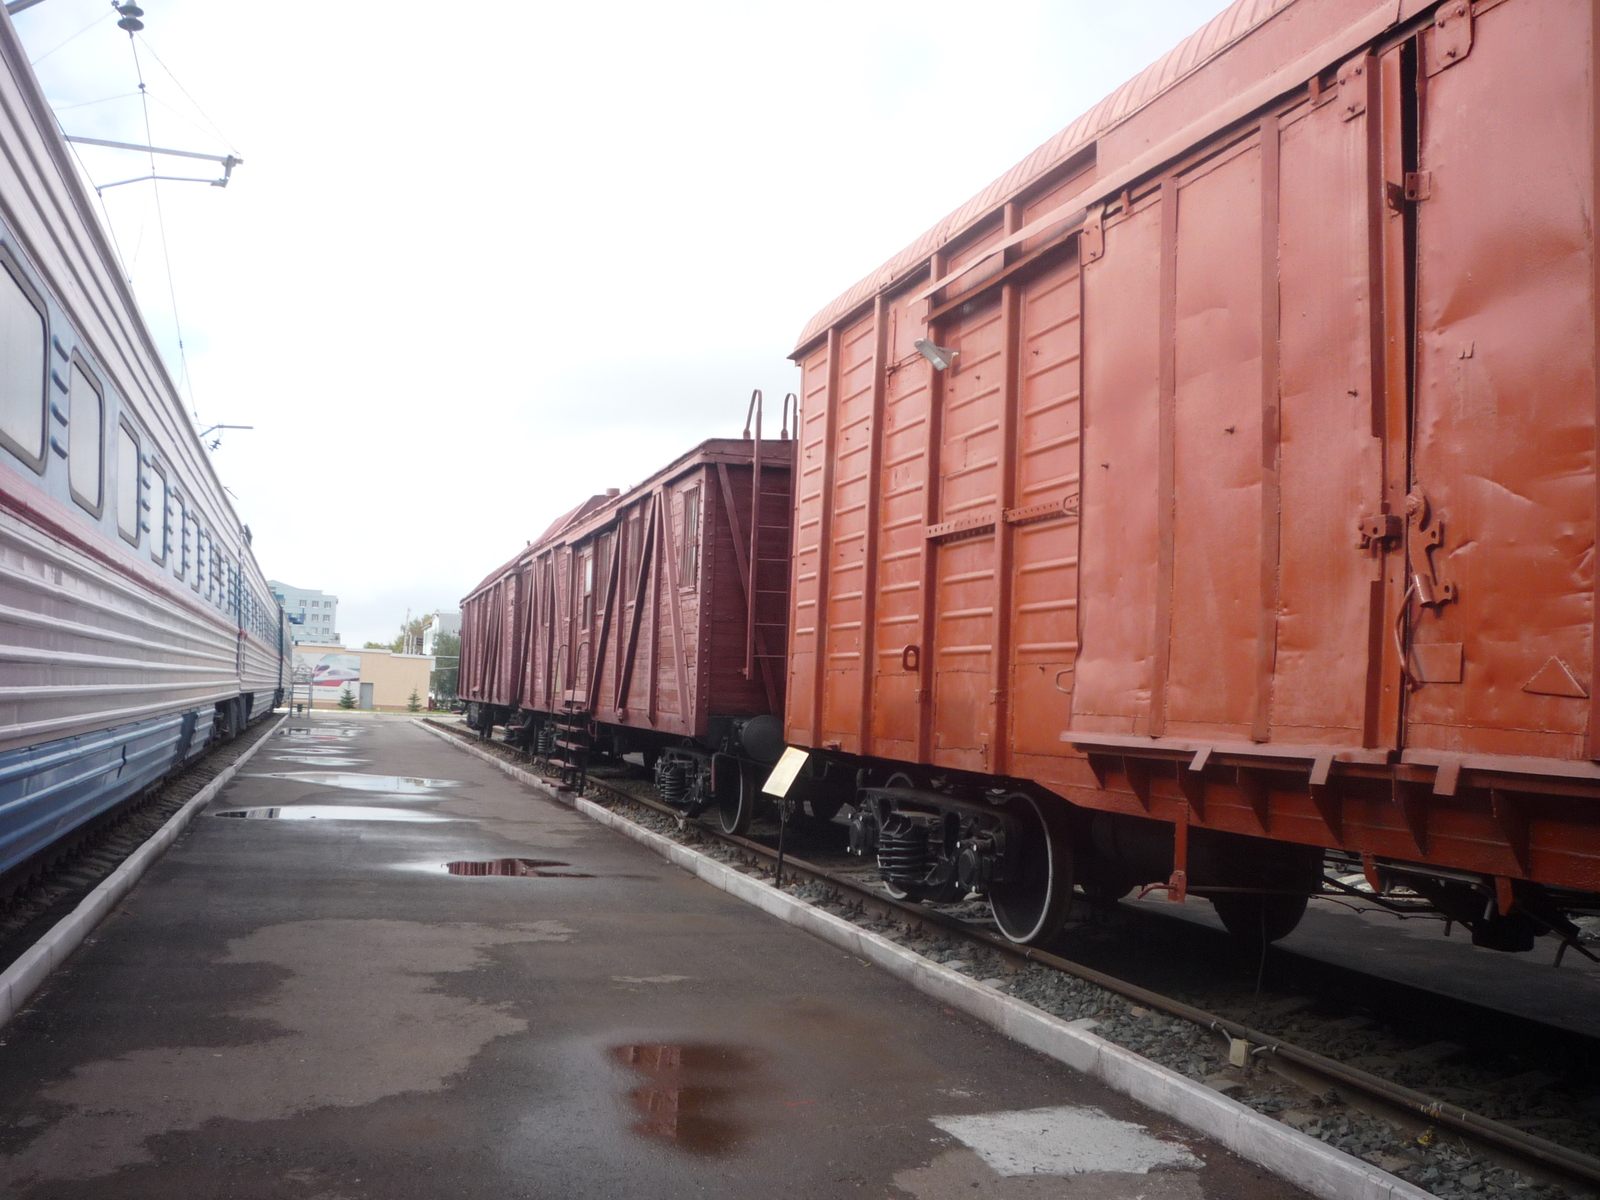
(942, 357)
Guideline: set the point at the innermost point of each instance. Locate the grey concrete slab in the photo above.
(315, 1008)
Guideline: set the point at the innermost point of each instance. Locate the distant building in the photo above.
(313, 615)
(439, 622)
(375, 679)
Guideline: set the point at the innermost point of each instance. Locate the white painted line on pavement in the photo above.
(1070, 1140)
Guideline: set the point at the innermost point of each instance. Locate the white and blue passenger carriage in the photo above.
(135, 624)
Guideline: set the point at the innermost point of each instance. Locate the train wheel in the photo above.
(1031, 908)
(736, 805)
(1258, 919)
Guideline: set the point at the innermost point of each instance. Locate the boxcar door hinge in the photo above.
(1450, 39)
(1092, 237)
(1379, 530)
(1353, 87)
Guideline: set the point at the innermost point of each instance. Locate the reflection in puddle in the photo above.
(321, 733)
(689, 1094)
(514, 866)
(320, 760)
(398, 784)
(328, 812)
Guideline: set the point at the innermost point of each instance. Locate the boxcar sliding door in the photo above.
(1233, 441)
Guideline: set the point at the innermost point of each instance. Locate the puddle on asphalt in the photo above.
(393, 784)
(690, 1094)
(322, 759)
(328, 812)
(514, 866)
(319, 733)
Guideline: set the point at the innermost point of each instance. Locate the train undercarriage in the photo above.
(944, 838)
(721, 773)
(1027, 852)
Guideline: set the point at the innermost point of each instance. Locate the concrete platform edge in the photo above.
(22, 978)
(1297, 1157)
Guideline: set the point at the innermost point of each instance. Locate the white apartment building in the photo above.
(313, 615)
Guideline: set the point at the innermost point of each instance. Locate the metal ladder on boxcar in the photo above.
(569, 751)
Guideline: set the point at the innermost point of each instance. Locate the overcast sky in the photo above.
(485, 259)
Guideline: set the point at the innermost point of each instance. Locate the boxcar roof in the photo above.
(573, 521)
(1217, 35)
(496, 575)
(596, 515)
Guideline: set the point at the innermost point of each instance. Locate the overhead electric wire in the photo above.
(190, 121)
(226, 140)
(105, 213)
(35, 62)
(86, 103)
(161, 225)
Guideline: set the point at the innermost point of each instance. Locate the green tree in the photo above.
(447, 666)
(376, 646)
(409, 639)
(347, 698)
(414, 704)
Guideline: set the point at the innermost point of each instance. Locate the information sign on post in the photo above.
(783, 775)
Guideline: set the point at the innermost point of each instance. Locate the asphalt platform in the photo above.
(304, 1002)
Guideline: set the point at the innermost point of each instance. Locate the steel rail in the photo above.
(1529, 1146)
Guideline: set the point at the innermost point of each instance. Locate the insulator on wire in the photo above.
(130, 16)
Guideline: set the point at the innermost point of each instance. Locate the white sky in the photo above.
(485, 259)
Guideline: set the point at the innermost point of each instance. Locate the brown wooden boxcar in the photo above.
(1255, 511)
(653, 620)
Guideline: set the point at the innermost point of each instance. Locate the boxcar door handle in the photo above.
(909, 657)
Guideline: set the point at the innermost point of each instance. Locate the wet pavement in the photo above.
(496, 997)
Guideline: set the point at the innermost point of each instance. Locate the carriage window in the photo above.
(691, 539)
(85, 439)
(588, 589)
(180, 544)
(127, 484)
(22, 377)
(160, 522)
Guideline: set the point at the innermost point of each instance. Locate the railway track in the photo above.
(1457, 1121)
(42, 891)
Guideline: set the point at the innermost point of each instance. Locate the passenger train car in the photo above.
(135, 625)
(1214, 495)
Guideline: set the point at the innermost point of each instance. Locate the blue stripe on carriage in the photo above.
(50, 789)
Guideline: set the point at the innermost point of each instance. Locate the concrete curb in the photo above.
(1302, 1160)
(22, 978)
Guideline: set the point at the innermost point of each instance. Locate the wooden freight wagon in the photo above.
(1227, 471)
(653, 621)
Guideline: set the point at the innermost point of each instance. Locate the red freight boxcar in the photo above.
(651, 621)
(1218, 487)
